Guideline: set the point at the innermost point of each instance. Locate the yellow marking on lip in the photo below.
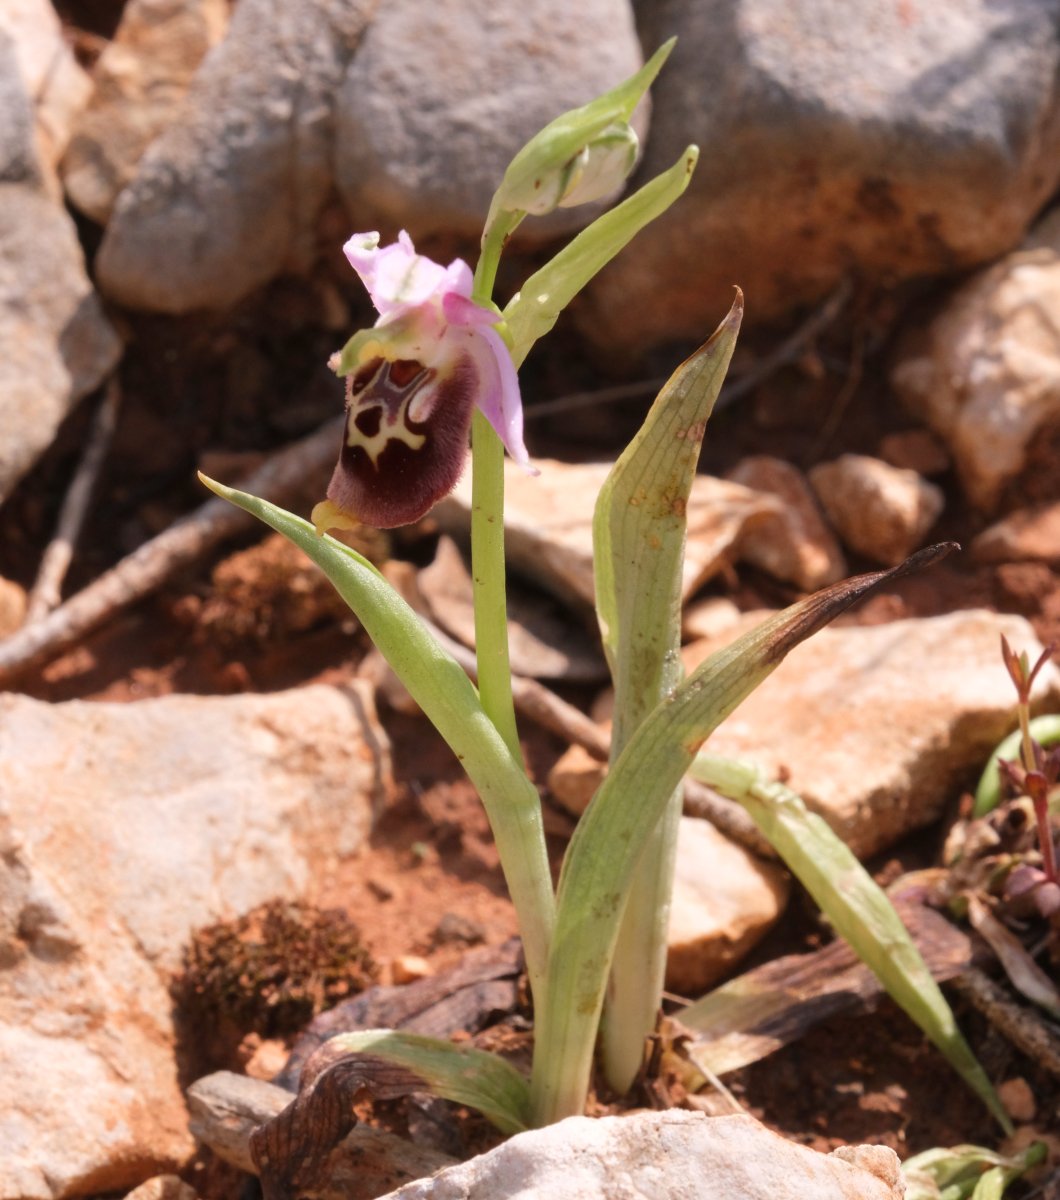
(395, 430)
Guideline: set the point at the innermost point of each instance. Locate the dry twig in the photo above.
(47, 590)
(1023, 1027)
(151, 564)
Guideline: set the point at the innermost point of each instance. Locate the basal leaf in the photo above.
(603, 854)
(639, 531)
(442, 689)
(857, 907)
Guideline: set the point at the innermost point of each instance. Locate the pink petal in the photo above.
(501, 402)
(459, 310)
(397, 278)
(458, 278)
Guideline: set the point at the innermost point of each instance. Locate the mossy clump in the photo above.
(272, 970)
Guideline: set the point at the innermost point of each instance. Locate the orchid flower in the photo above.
(412, 382)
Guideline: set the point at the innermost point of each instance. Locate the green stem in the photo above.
(487, 530)
(638, 968)
(488, 575)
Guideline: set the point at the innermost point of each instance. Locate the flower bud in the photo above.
(602, 166)
(581, 156)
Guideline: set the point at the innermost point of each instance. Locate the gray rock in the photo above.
(161, 817)
(892, 140)
(676, 1154)
(880, 511)
(413, 110)
(985, 374)
(55, 344)
(874, 725)
(139, 82)
(228, 197)
(425, 148)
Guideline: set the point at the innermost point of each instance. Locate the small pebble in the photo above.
(915, 450)
(163, 1187)
(456, 928)
(407, 968)
(12, 606)
(1018, 1098)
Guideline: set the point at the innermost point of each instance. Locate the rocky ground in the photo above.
(195, 727)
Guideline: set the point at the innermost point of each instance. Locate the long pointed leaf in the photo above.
(857, 907)
(442, 689)
(639, 533)
(293, 1149)
(603, 854)
(462, 1074)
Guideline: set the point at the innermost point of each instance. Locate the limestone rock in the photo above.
(795, 545)
(426, 148)
(708, 617)
(226, 1109)
(549, 517)
(1032, 533)
(880, 511)
(139, 83)
(161, 817)
(985, 374)
(55, 344)
(724, 900)
(933, 156)
(677, 1154)
(229, 195)
(874, 725)
(574, 778)
(50, 75)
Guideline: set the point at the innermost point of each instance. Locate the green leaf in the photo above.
(462, 1074)
(603, 854)
(441, 688)
(639, 533)
(857, 907)
(533, 311)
